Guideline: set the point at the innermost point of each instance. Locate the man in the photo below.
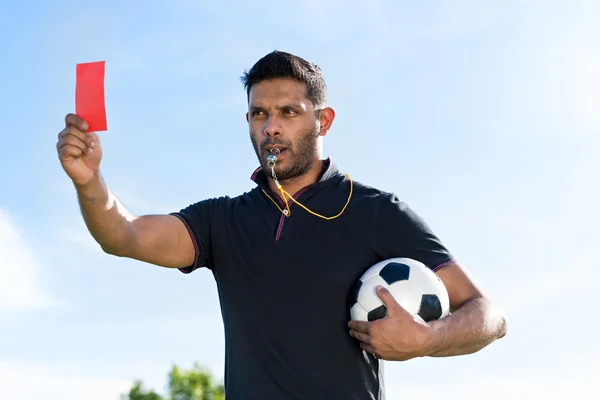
(286, 254)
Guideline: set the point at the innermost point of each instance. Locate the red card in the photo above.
(89, 95)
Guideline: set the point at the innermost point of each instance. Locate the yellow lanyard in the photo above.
(287, 212)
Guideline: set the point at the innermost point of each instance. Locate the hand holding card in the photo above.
(89, 95)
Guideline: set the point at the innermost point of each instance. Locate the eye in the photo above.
(289, 111)
(257, 113)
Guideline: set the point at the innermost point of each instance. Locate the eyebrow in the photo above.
(285, 106)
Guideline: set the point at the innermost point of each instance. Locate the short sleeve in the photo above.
(401, 232)
(198, 218)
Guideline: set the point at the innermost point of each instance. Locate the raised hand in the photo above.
(79, 151)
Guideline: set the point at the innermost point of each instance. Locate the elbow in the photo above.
(502, 324)
(109, 250)
(118, 246)
(495, 320)
(114, 251)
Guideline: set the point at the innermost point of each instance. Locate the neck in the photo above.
(294, 185)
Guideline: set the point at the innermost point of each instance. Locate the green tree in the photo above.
(137, 392)
(195, 383)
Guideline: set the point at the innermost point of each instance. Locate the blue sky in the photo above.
(482, 115)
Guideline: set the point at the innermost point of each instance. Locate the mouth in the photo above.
(277, 151)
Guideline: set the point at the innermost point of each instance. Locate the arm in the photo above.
(157, 239)
(475, 321)
(399, 337)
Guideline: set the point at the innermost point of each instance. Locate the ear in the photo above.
(326, 117)
(247, 120)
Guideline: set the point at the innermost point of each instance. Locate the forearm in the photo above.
(476, 324)
(105, 217)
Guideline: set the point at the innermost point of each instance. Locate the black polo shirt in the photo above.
(284, 283)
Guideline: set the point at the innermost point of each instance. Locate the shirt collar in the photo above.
(329, 171)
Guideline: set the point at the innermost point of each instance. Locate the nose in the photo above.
(272, 127)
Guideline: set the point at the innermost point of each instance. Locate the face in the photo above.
(280, 116)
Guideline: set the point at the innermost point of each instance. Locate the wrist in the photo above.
(434, 339)
(90, 190)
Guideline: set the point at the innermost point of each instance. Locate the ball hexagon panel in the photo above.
(426, 280)
(374, 270)
(358, 313)
(407, 295)
(367, 296)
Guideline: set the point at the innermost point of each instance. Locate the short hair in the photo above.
(279, 64)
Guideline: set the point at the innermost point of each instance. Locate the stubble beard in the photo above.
(299, 161)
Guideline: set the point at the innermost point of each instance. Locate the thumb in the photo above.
(392, 306)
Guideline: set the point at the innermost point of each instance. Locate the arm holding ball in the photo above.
(474, 324)
(475, 321)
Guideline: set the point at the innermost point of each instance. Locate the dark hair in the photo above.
(279, 64)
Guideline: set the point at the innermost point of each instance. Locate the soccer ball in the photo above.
(414, 286)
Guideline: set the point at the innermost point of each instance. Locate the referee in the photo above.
(286, 254)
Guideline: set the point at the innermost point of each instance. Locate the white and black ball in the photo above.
(414, 286)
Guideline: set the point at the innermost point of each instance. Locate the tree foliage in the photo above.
(195, 383)
(137, 392)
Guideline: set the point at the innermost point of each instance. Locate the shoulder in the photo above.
(225, 201)
(385, 206)
(376, 196)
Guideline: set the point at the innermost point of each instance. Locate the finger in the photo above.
(72, 140)
(90, 139)
(76, 121)
(68, 150)
(369, 349)
(363, 337)
(389, 301)
(362, 326)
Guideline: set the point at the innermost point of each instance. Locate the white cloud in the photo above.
(98, 379)
(19, 285)
(55, 381)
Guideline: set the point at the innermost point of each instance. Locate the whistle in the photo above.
(272, 158)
